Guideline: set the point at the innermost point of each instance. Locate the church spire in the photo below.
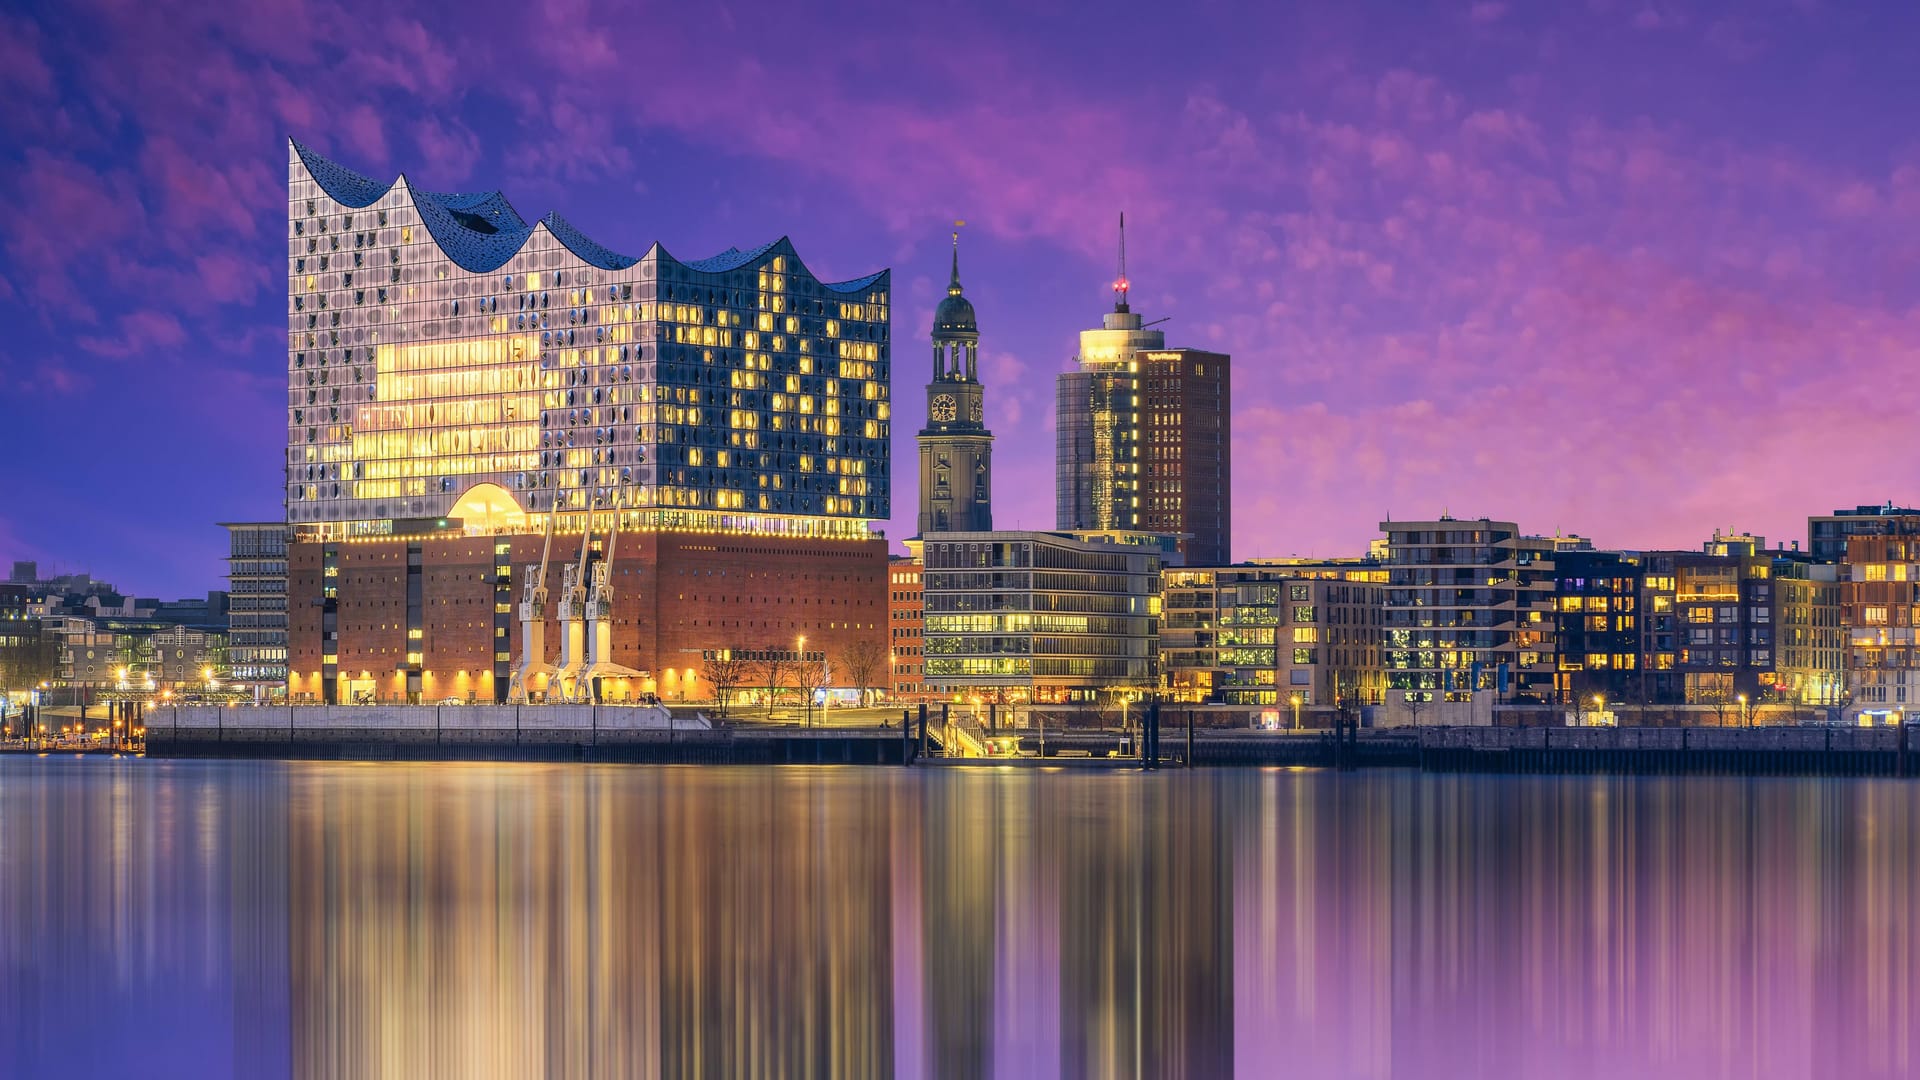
(953, 284)
(956, 449)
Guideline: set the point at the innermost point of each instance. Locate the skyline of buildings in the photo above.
(418, 466)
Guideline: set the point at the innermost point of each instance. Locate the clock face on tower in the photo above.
(976, 411)
(944, 408)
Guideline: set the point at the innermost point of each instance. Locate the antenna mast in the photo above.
(1120, 285)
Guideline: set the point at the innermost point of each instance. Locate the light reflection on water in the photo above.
(313, 920)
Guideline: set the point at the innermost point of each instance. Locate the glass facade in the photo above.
(1097, 427)
(438, 343)
(1143, 439)
(257, 603)
(1049, 616)
(1469, 608)
(1305, 634)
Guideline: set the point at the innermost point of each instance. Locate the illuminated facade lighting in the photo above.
(440, 345)
(1144, 436)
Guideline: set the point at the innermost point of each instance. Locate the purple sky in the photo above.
(1632, 269)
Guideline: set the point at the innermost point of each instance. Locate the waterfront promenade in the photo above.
(877, 737)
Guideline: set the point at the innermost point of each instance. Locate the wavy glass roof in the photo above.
(480, 230)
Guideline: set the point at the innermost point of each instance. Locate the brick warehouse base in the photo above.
(676, 596)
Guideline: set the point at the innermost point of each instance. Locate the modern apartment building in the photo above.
(1827, 534)
(1470, 607)
(1736, 624)
(1286, 635)
(1881, 615)
(1597, 628)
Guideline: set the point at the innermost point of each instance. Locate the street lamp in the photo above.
(1296, 711)
(1599, 706)
(799, 669)
(1746, 718)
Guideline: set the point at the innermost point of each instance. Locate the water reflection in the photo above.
(250, 919)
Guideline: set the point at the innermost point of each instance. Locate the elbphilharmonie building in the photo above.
(483, 410)
(442, 348)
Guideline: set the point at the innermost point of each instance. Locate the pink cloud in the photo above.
(226, 278)
(63, 212)
(451, 146)
(140, 331)
(365, 133)
(1403, 259)
(198, 194)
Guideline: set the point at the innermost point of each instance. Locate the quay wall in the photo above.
(1763, 751)
(495, 733)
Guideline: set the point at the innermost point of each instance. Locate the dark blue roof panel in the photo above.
(342, 185)
(580, 244)
(854, 286)
(479, 240)
(731, 259)
(480, 230)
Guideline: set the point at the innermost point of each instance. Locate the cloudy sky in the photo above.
(1631, 269)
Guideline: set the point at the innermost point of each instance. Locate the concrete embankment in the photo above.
(630, 734)
(1767, 751)
(496, 733)
(1814, 751)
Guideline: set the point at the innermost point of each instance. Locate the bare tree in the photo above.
(771, 669)
(1719, 697)
(1416, 704)
(862, 662)
(1346, 697)
(725, 670)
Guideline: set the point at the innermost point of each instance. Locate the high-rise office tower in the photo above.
(956, 449)
(1144, 434)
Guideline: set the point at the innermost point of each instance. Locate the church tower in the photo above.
(956, 449)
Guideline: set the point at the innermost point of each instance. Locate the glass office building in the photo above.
(1040, 617)
(447, 358)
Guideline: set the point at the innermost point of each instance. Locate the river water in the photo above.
(250, 919)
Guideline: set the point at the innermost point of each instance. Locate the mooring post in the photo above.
(906, 736)
(923, 730)
(1189, 737)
